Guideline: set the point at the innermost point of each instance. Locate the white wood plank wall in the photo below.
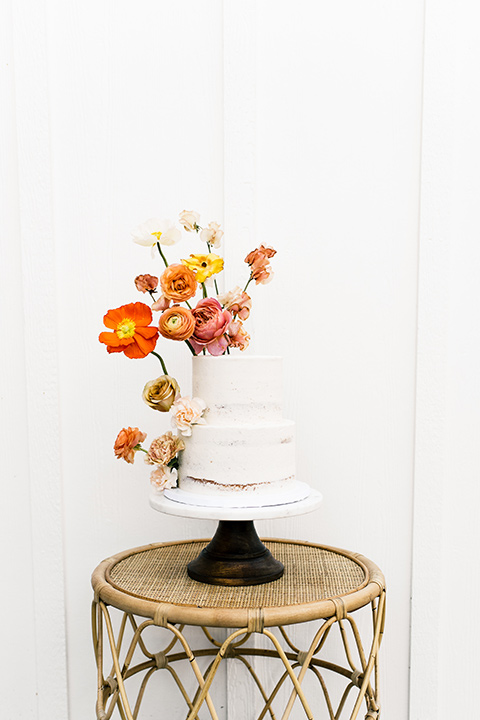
(343, 134)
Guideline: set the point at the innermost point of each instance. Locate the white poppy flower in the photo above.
(154, 230)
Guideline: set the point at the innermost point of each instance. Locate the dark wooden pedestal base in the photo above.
(235, 556)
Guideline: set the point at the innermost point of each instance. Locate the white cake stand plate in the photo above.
(158, 501)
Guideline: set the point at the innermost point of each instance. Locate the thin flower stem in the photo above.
(162, 255)
(214, 279)
(164, 367)
(191, 348)
(204, 290)
(248, 283)
(139, 447)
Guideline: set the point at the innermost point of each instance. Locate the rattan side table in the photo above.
(150, 586)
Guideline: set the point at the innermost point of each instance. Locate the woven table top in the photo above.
(138, 580)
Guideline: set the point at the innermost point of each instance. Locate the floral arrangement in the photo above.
(212, 324)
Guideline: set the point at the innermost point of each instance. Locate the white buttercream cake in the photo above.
(244, 456)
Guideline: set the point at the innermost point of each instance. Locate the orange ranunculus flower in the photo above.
(178, 283)
(131, 333)
(126, 443)
(177, 323)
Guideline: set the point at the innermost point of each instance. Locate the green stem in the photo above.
(204, 290)
(214, 279)
(164, 368)
(248, 283)
(191, 348)
(162, 255)
(139, 447)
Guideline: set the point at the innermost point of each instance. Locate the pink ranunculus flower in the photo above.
(238, 336)
(211, 323)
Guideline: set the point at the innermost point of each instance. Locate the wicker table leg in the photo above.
(111, 690)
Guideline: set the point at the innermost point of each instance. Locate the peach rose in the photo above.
(177, 323)
(238, 302)
(186, 412)
(126, 443)
(146, 283)
(211, 323)
(160, 394)
(178, 283)
(163, 449)
(162, 478)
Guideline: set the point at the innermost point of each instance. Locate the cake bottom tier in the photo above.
(239, 466)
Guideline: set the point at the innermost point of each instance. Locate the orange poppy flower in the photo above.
(131, 334)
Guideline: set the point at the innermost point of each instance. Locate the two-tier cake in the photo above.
(244, 456)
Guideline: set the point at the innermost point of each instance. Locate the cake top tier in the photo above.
(245, 389)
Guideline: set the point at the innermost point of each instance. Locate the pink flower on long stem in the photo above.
(260, 269)
(211, 323)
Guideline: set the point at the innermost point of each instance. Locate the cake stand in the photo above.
(235, 555)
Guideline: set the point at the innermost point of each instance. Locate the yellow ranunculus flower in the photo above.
(204, 266)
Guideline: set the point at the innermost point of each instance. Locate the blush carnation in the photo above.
(163, 449)
(163, 478)
(187, 412)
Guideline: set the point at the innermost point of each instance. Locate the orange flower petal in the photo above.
(147, 332)
(146, 345)
(139, 313)
(113, 317)
(135, 351)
